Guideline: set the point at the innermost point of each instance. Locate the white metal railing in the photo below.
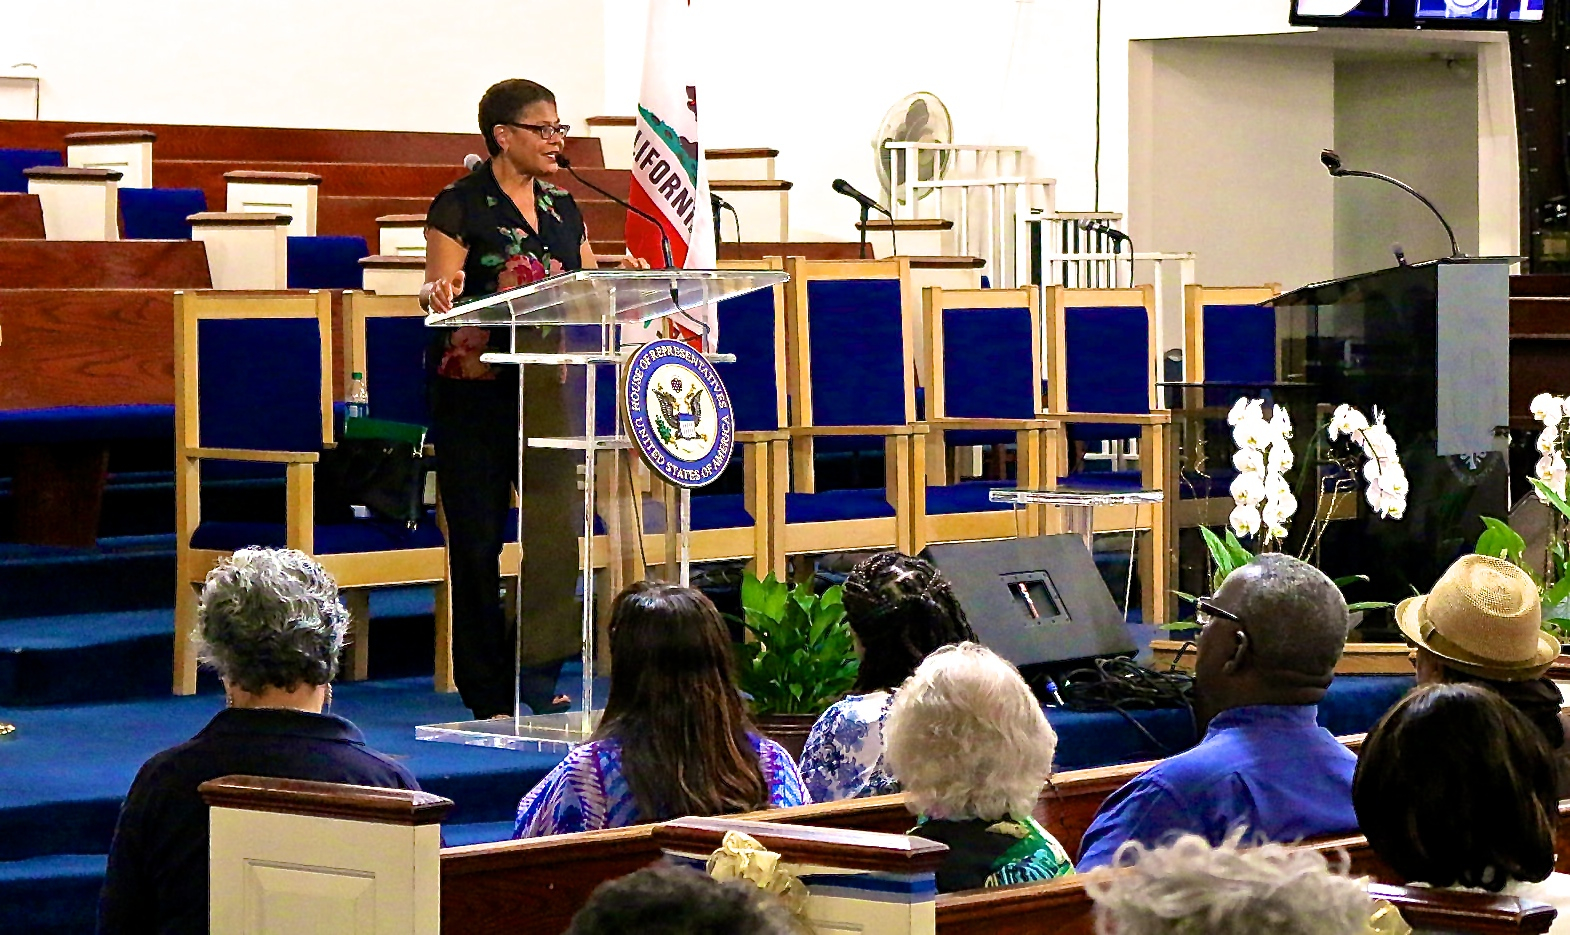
(984, 190)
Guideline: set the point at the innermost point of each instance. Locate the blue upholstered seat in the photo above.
(828, 505)
(1107, 359)
(13, 162)
(395, 349)
(988, 371)
(159, 213)
(854, 330)
(1101, 481)
(78, 423)
(720, 511)
(1240, 347)
(746, 327)
(326, 262)
(331, 539)
(965, 497)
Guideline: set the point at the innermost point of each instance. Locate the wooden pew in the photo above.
(21, 215)
(97, 264)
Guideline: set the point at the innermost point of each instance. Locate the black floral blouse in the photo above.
(504, 253)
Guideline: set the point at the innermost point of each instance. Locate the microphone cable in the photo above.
(1119, 684)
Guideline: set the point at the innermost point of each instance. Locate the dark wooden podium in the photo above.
(1429, 344)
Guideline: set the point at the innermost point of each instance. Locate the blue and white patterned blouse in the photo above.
(588, 790)
(843, 757)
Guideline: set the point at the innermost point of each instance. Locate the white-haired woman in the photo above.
(271, 623)
(970, 747)
(1189, 886)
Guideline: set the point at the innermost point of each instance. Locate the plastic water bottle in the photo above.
(356, 402)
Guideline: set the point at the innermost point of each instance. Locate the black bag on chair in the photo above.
(378, 465)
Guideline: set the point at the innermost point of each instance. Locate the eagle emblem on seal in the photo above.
(680, 412)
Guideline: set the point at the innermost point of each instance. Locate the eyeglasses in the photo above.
(1205, 606)
(545, 130)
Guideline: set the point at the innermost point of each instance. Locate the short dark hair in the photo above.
(504, 101)
(1454, 786)
(665, 899)
(901, 608)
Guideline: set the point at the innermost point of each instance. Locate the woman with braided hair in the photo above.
(900, 609)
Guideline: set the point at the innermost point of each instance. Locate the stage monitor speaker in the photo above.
(1034, 601)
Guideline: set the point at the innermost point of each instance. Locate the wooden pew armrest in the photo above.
(245, 454)
(1126, 418)
(1008, 425)
(752, 438)
(812, 431)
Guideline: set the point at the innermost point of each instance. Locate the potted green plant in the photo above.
(800, 658)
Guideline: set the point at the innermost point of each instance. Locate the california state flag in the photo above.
(668, 176)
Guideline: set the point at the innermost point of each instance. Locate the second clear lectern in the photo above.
(608, 300)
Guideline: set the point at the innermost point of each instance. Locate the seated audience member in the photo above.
(900, 609)
(675, 738)
(271, 623)
(664, 899)
(1190, 886)
(1455, 787)
(1482, 624)
(1268, 649)
(971, 749)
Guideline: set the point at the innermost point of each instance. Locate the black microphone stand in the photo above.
(1332, 162)
(866, 212)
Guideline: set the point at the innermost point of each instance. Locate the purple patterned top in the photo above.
(588, 790)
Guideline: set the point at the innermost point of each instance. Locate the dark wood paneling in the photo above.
(616, 181)
(1540, 284)
(59, 491)
(338, 178)
(182, 141)
(1539, 316)
(21, 215)
(86, 347)
(357, 216)
(86, 264)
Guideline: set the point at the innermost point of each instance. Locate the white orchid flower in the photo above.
(1345, 421)
(1244, 520)
(1378, 443)
(1371, 471)
(1254, 433)
(1278, 532)
(1393, 482)
(1546, 440)
(1279, 509)
(1280, 457)
(1281, 421)
(1249, 460)
(1248, 488)
(1548, 409)
(1239, 411)
(1395, 508)
(1551, 470)
(1276, 487)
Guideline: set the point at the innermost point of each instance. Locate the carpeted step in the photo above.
(127, 573)
(53, 895)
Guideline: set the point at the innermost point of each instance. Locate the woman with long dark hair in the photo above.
(900, 609)
(675, 739)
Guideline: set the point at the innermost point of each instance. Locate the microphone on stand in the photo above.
(472, 162)
(1118, 239)
(1332, 162)
(1400, 253)
(867, 204)
(665, 241)
(716, 203)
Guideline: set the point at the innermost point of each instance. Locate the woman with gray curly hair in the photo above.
(1189, 886)
(970, 747)
(271, 624)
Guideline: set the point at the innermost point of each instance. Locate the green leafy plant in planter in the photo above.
(1500, 541)
(801, 657)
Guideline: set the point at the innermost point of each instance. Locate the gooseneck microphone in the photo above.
(1332, 162)
(867, 204)
(472, 162)
(665, 241)
(1118, 238)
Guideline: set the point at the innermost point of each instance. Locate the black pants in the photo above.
(476, 432)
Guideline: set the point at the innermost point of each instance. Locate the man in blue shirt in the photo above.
(1266, 654)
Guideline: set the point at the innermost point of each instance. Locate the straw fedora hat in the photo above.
(1484, 618)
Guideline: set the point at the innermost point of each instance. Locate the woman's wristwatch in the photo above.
(425, 295)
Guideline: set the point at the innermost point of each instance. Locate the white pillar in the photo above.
(291, 193)
(393, 275)
(245, 249)
(79, 204)
(129, 152)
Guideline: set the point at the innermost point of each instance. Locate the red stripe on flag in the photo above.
(642, 240)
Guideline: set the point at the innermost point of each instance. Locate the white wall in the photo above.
(353, 64)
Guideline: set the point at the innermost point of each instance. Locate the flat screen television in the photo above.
(1417, 14)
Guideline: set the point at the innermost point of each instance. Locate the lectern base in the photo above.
(545, 733)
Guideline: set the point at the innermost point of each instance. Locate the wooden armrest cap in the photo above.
(246, 454)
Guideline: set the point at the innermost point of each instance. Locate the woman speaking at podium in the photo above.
(500, 227)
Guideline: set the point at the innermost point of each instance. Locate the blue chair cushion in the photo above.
(1240, 346)
(857, 352)
(326, 262)
(1108, 364)
(13, 162)
(836, 505)
(333, 539)
(259, 382)
(987, 371)
(83, 423)
(395, 369)
(746, 325)
(965, 497)
(980, 437)
(720, 511)
(159, 213)
(1102, 481)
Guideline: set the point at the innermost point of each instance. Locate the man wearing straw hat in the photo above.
(1482, 623)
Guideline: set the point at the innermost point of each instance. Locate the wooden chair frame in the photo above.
(904, 450)
(1158, 571)
(991, 524)
(1188, 423)
(353, 571)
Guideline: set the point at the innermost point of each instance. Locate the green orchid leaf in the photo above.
(1240, 555)
(1345, 580)
(1551, 496)
(1356, 606)
(1500, 541)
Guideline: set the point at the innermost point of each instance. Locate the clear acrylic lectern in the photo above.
(607, 299)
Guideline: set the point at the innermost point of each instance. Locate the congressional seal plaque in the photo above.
(678, 413)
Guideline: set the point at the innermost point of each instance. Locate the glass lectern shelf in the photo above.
(606, 296)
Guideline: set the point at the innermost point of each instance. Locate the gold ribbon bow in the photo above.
(1387, 920)
(741, 857)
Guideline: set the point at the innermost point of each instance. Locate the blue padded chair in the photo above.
(13, 162)
(1101, 385)
(253, 384)
(984, 366)
(1229, 338)
(851, 327)
(159, 213)
(326, 262)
